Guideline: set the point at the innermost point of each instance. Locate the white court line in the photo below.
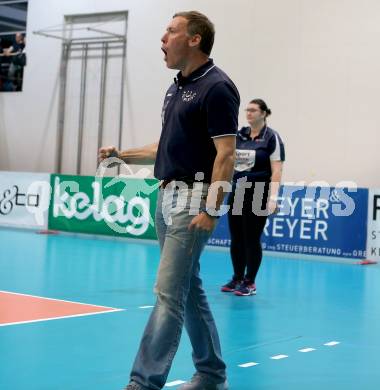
(332, 343)
(145, 307)
(60, 318)
(59, 300)
(278, 357)
(174, 383)
(305, 350)
(250, 364)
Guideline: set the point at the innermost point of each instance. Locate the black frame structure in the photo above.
(13, 19)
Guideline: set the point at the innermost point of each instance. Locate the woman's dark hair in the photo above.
(263, 106)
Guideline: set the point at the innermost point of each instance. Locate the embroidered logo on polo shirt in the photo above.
(188, 96)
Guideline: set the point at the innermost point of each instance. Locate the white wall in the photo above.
(316, 64)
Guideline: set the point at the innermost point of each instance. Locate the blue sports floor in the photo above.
(300, 305)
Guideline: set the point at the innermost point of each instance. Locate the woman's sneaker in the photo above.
(245, 289)
(231, 286)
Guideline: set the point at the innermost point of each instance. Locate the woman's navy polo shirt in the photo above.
(196, 109)
(254, 156)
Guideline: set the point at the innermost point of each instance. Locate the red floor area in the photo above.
(19, 308)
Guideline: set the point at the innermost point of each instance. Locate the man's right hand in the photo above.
(106, 152)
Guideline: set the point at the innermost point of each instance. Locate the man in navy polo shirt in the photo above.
(197, 145)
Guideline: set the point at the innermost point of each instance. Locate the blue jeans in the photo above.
(181, 299)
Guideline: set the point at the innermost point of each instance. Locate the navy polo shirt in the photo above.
(254, 156)
(196, 109)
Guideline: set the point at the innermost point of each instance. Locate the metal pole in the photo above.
(105, 32)
(121, 112)
(48, 35)
(103, 85)
(61, 107)
(82, 104)
(121, 108)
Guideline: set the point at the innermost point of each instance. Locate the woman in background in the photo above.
(260, 155)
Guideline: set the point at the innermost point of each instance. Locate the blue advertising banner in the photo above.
(321, 221)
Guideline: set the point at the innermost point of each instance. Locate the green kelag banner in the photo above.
(103, 205)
